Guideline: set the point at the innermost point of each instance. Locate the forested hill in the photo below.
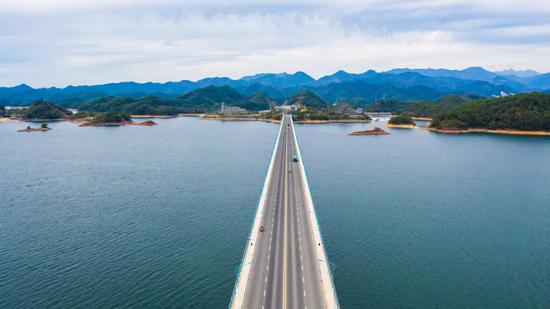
(519, 112)
(198, 101)
(424, 108)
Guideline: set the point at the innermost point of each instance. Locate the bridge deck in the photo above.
(285, 265)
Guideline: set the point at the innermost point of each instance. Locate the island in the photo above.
(401, 121)
(112, 119)
(375, 131)
(43, 111)
(43, 128)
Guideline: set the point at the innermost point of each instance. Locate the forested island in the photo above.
(522, 112)
(401, 120)
(42, 111)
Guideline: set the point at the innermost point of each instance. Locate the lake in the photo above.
(158, 216)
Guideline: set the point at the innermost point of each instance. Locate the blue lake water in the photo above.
(157, 216)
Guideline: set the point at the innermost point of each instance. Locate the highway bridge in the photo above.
(285, 263)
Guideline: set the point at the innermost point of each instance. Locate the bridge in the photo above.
(285, 263)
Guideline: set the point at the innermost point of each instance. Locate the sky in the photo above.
(47, 43)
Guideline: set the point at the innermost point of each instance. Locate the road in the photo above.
(285, 268)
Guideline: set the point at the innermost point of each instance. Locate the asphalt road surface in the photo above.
(285, 267)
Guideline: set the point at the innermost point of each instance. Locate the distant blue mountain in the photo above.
(405, 84)
(281, 80)
(472, 73)
(518, 73)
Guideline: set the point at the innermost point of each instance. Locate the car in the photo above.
(295, 159)
(261, 228)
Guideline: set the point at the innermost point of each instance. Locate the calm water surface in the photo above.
(158, 216)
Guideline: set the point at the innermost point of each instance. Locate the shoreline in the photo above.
(487, 131)
(6, 120)
(332, 121)
(153, 116)
(422, 118)
(147, 123)
(401, 126)
(189, 115)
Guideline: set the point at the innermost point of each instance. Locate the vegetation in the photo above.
(257, 101)
(3, 111)
(110, 117)
(45, 110)
(273, 115)
(308, 99)
(401, 120)
(202, 100)
(530, 112)
(44, 126)
(150, 105)
(420, 108)
(306, 114)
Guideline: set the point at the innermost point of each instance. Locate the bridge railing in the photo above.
(251, 232)
(318, 226)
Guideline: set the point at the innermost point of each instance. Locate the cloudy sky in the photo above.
(61, 42)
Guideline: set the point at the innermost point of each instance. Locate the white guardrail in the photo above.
(331, 300)
(329, 291)
(239, 291)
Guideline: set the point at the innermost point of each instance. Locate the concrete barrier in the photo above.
(239, 291)
(331, 300)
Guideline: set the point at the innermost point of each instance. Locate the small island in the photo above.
(375, 131)
(43, 128)
(401, 121)
(112, 119)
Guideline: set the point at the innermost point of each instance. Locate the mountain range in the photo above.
(360, 89)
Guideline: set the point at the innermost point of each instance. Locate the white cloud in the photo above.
(60, 42)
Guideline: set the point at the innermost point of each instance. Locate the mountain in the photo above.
(256, 102)
(281, 80)
(360, 93)
(276, 93)
(358, 88)
(540, 81)
(308, 99)
(518, 73)
(422, 108)
(206, 99)
(472, 73)
(338, 77)
(149, 105)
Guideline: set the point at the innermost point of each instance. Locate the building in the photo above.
(227, 109)
(289, 108)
